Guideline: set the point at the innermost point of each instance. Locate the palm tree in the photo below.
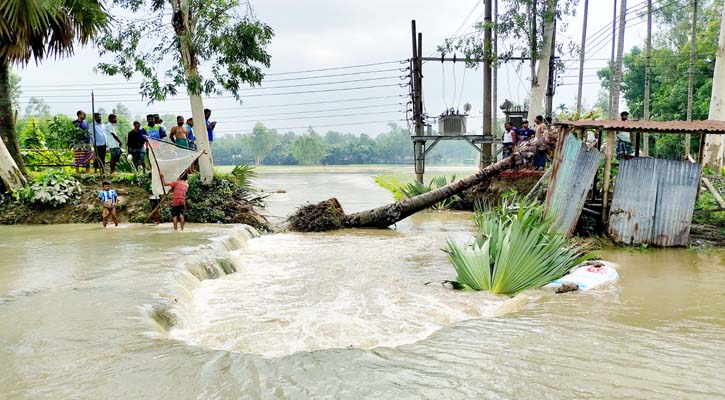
(36, 29)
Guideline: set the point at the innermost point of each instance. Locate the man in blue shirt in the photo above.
(524, 133)
(82, 146)
(99, 130)
(108, 199)
(209, 125)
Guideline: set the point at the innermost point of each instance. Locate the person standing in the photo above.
(540, 127)
(209, 125)
(135, 145)
(108, 199)
(508, 140)
(524, 133)
(179, 135)
(99, 130)
(113, 141)
(190, 130)
(82, 146)
(152, 128)
(160, 123)
(623, 144)
(178, 202)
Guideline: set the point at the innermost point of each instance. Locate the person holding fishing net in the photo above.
(170, 165)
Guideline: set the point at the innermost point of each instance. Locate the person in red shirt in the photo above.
(178, 202)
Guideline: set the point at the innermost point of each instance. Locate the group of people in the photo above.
(513, 138)
(99, 139)
(108, 198)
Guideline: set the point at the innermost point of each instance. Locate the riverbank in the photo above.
(71, 199)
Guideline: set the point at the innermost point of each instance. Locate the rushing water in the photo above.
(132, 313)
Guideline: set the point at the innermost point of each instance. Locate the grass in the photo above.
(515, 249)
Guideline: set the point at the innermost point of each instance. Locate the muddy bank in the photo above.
(221, 202)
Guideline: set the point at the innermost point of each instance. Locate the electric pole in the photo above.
(617, 79)
(614, 45)
(494, 102)
(691, 81)
(487, 107)
(581, 59)
(647, 75)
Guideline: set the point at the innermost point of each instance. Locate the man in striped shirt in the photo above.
(108, 199)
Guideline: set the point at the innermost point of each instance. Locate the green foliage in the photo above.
(309, 149)
(52, 188)
(243, 176)
(402, 191)
(234, 47)
(515, 249)
(261, 142)
(223, 200)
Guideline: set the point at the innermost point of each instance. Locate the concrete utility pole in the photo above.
(494, 102)
(715, 144)
(647, 75)
(691, 80)
(581, 59)
(416, 83)
(549, 102)
(614, 46)
(487, 106)
(617, 78)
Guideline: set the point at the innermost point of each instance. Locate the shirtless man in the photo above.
(179, 134)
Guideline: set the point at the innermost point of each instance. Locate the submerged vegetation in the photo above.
(514, 249)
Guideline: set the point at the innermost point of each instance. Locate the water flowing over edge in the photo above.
(210, 261)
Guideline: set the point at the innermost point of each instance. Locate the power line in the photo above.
(317, 111)
(319, 126)
(259, 88)
(315, 117)
(230, 97)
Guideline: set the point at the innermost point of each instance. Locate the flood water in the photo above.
(141, 312)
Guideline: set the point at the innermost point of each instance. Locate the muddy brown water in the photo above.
(122, 313)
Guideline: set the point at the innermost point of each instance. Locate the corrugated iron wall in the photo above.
(653, 202)
(574, 169)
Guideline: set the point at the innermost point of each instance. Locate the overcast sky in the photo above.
(318, 34)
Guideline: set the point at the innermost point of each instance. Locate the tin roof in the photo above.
(708, 126)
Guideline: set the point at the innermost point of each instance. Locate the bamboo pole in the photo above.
(691, 80)
(647, 75)
(607, 173)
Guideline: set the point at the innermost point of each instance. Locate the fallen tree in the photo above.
(314, 217)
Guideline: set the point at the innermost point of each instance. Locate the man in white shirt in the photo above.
(113, 141)
(99, 132)
(508, 140)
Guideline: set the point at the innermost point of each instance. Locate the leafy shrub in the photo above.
(515, 249)
(53, 188)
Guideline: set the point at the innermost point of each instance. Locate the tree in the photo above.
(196, 32)
(15, 90)
(261, 142)
(714, 154)
(38, 29)
(309, 149)
(37, 107)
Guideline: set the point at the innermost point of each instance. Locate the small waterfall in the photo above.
(210, 261)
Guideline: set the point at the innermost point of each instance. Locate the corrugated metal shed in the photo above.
(707, 126)
(653, 202)
(572, 176)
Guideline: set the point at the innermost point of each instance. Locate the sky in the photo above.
(329, 35)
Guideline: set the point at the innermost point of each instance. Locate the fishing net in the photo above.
(169, 159)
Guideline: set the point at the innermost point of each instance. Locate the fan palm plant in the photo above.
(402, 191)
(514, 249)
(36, 29)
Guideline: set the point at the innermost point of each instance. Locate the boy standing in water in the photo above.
(178, 202)
(108, 199)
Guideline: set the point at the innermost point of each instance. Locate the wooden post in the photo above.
(701, 149)
(636, 144)
(607, 173)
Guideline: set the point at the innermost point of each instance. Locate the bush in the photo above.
(53, 188)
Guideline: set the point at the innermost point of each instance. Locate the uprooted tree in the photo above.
(329, 215)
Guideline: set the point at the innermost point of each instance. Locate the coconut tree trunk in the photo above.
(185, 33)
(7, 120)
(538, 86)
(385, 216)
